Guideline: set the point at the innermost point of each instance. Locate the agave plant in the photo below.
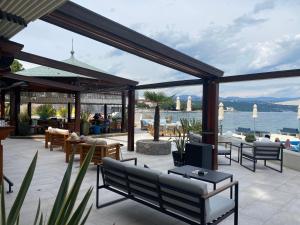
(63, 211)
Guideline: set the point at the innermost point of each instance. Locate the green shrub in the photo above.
(45, 111)
(62, 112)
(250, 138)
(24, 124)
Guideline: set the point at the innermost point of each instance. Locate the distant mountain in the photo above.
(259, 99)
(185, 97)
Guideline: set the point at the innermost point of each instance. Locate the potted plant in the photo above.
(85, 124)
(24, 124)
(180, 141)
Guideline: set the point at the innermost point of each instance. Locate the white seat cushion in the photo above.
(218, 207)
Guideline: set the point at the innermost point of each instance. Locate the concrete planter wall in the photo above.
(150, 147)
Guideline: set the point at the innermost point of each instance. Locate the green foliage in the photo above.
(16, 66)
(63, 211)
(157, 97)
(45, 111)
(85, 116)
(23, 117)
(62, 112)
(250, 138)
(24, 125)
(142, 105)
(7, 110)
(192, 125)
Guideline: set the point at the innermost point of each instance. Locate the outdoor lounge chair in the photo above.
(265, 151)
(185, 199)
(56, 137)
(101, 151)
(289, 131)
(243, 130)
(223, 150)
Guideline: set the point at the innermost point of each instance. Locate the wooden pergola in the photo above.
(78, 19)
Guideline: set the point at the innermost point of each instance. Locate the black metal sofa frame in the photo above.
(160, 189)
(264, 153)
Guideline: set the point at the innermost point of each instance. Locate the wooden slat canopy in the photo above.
(78, 19)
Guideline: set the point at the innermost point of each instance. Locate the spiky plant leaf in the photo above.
(68, 205)
(15, 209)
(37, 213)
(62, 193)
(86, 215)
(75, 219)
(2, 205)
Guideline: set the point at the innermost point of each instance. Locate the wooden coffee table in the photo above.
(213, 177)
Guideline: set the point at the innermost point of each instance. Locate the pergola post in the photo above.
(210, 104)
(77, 112)
(69, 111)
(131, 112)
(15, 101)
(105, 111)
(29, 113)
(2, 105)
(123, 129)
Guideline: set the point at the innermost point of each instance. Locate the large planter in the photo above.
(24, 128)
(178, 159)
(150, 147)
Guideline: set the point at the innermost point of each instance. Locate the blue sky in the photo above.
(238, 37)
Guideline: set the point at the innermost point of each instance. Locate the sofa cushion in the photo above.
(195, 138)
(143, 182)
(115, 174)
(195, 187)
(59, 131)
(218, 207)
(96, 141)
(73, 137)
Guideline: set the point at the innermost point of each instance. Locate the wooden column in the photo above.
(69, 112)
(29, 112)
(77, 112)
(105, 111)
(2, 105)
(210, 104)
(131, 112)
(15, 101)
(123, 129)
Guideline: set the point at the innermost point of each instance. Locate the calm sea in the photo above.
(266, 121)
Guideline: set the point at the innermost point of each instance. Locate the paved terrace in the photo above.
(266, 197)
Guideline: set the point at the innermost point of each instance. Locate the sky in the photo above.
(238, 37)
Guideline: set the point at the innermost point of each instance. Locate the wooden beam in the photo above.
(69, 111)
(42, 82)
(210, 104)
(261, 76)
(2, 105)
(28, 57)
(15, 101)
(131, 112)
(105, 111)
(77, 112)
(178, 83)
(29, 112)
(123, 129)
(78, 19)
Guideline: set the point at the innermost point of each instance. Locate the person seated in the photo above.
(287, 144)
(266, 138)
(277, 139)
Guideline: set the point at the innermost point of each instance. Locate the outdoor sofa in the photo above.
(266, 151)
(56, 137)
(182, 198)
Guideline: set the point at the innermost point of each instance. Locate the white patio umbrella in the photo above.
(178, 104)
(254, 115)
(221, 116)
(189, 104)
